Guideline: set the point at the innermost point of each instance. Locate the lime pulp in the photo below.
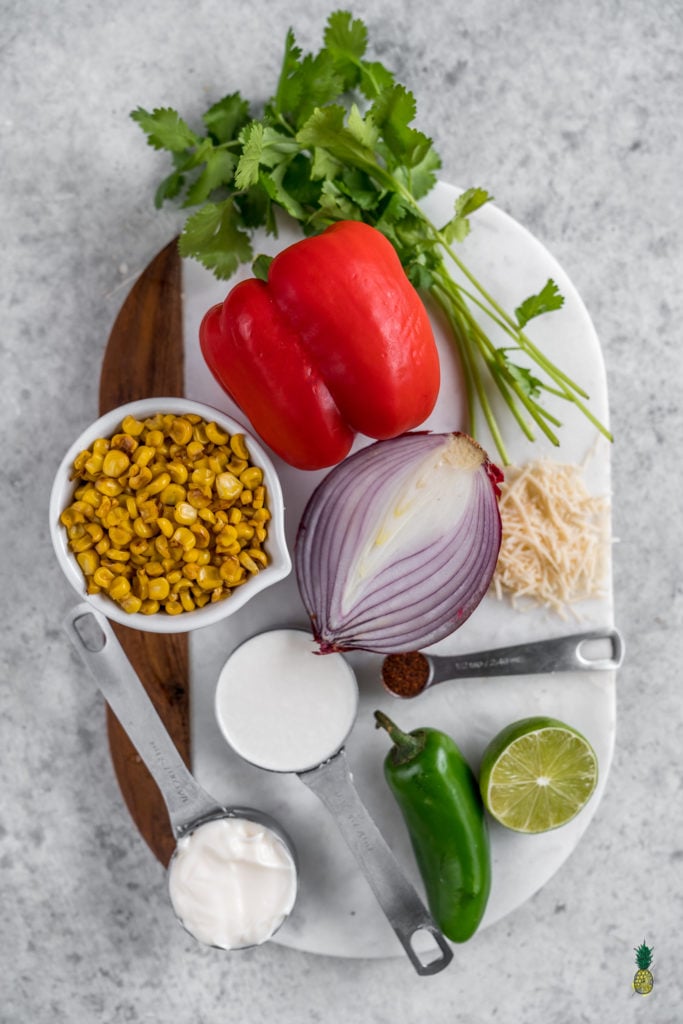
(537, 774)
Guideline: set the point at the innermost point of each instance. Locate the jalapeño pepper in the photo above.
(439, 798)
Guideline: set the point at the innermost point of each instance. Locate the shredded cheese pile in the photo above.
(555, 537)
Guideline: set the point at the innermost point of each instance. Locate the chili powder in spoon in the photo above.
(405, 675)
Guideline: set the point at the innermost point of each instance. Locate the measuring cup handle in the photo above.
(94, 639)
(332, 784)
(560, 654)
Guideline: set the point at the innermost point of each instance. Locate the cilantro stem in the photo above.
(568, 389)
(449, 299)
(503, 319)
(460, 327)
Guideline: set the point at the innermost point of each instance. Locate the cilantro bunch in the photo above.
(336, 141)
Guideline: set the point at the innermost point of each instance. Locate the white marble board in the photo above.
(336, 913)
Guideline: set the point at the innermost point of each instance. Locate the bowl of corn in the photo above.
(167, 515)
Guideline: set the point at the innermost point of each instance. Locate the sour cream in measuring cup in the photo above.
(232, 882)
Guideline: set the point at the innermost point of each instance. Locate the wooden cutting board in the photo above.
(145, 357)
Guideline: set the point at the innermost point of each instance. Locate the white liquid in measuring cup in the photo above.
(282, 706)
(232, 883)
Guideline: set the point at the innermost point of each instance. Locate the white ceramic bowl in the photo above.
(62, 492)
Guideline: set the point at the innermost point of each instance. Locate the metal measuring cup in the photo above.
(330, 779)
(189, 806)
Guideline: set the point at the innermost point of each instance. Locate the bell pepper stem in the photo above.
(406, 745)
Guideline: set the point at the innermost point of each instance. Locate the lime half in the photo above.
(537, 774)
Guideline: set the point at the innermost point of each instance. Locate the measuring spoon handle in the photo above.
(94, 639)
(560, 654)
(332, 784)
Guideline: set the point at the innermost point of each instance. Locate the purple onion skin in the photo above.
(446, 581)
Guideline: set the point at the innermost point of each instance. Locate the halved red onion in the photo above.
(398, 544)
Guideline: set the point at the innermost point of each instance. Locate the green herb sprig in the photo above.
(336, 141)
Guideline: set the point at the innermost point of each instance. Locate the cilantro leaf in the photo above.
(261, 266)
(262, 145)
(299, 181)
(165, 129)
(392, 112)
(419, 273)
(528, 384)
(374, 79)
(169, 188)
(304, 84)
(458, 228)
(183, 162)
(346, 40)
(276, 147)
(420, 178)
(225, 119)
(548, 299)
(256, 208)
(213, 236)
(362, 128)
(320, 84)
(273, 184)
(345, 37)
(326, 128)
(334, 205)
(219, 169)
(391, 211)
(247, 172)
(322, 127)
(324, 164)
(289, 86)
(359, 187)
(470, 200)
(394, 108)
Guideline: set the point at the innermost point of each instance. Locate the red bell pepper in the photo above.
(336, 342)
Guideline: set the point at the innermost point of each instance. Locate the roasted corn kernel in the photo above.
(172, 495)
(109, 486)
(94, 465)
(119, 588)
(238, 446)
(115, 463)
(158, 484)
(177, 471)
(186, 514)
(132, 427)
(251, 478)
(159, 589)
(181, 430)
(167, 515)
(215, 435)
(228, 487)
(209, 577)
(89, 562)
(154, 438)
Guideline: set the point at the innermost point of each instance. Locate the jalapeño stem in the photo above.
(407, 745)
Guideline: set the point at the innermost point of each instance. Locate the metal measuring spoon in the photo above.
(328, 777)
(189, 805)
(408, 675)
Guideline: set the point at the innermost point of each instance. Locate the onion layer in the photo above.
(398, 544)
